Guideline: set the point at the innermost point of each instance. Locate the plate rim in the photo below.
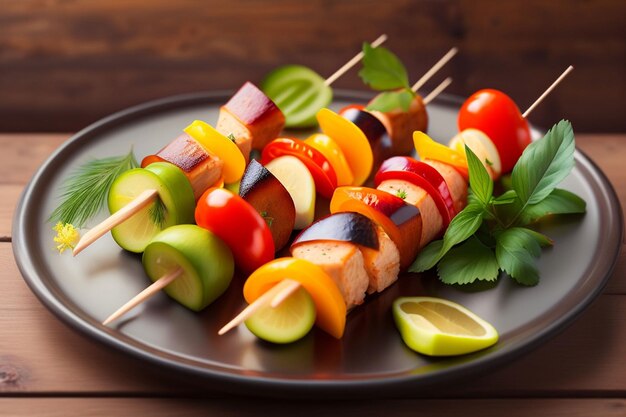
(265, 385)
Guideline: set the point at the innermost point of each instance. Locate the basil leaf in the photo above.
(540, 238)
(391, 100)
(479, 179)
(467, 263)
(382, 70)
(516, 250)
(506, 198)
(559, 201)
(544, 164)
(460, 228)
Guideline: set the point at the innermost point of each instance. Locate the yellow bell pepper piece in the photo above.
(351, 140)
(329, 304)
(429, 149)
(222, 147)
(331, 150)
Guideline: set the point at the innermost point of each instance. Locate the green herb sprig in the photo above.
(157, 213)
(85, 191)
(491, 234)
(383, 71)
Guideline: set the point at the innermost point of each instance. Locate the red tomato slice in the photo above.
(496, 114)
(321, 170)
(421, 175)
(238, 224)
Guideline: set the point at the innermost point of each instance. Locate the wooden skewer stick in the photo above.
(545, 93)
(269, 296)
(443, 61)
(138, 203)
(433, 94)
(353, 61)
(146, 294)
(284, 293)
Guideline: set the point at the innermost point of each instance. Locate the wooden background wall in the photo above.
(66, 63)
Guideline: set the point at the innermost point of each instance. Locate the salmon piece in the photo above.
(257, 113)
(201, 168)
(401, 124)
(456, 183)
(382, 265)
(432, 222)
(228, 124)
(342, 261)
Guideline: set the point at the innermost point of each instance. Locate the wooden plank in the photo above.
(64, 62)
(10, 195)
(122, 407)
(44, 356)
(23, 153)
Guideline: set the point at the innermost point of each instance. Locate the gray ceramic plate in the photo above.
(371, 359)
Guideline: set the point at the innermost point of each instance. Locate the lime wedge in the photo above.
(299, 93)
(438, 327)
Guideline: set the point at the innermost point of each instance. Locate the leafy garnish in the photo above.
(383, 71)
(85, 191)
(467, 262)
(401, 193)
(491, 234)
(157, 213)
(232, 137)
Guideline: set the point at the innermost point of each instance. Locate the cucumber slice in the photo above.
(299, 93)
(206, 261)
(288, 322)
(175, 193)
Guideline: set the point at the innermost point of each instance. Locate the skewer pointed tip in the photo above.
(144, 295)
(442, 61)
(548, 91)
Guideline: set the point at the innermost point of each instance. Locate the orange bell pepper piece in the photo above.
(351, 140)
(337, 159)
(329, 303)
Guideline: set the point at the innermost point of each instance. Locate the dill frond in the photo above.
(157, 213)
(85, 192)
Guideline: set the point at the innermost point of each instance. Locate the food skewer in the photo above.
(284, 293)
(143, 200)
(149, 196)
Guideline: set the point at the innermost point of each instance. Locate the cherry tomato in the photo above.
(317, 164)
(238, 224)
(422, 175)
(497, 115)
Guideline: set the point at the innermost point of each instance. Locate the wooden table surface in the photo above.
(48, 369)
